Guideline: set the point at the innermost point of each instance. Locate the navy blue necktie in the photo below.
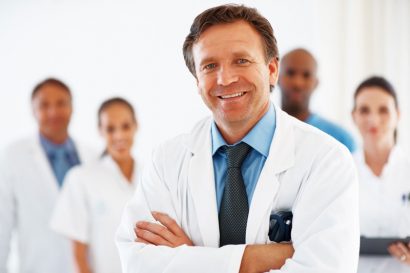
(233, 213)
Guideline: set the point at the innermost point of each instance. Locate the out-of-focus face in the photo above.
(118, 129)
(233, 77)
(52, 109)
(297, 79)
(375, 115)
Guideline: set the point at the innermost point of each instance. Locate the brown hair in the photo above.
(382, 83)
(228, 14)
(50, 81)
(117, 100)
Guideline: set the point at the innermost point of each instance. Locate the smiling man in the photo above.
(205, 202)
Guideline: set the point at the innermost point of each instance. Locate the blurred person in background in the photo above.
(384, 174)
(297, 80)
(90, 205)
(32, 173)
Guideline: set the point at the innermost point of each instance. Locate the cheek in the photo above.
(108, 138)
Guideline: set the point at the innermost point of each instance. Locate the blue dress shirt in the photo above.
(62, 157)
(259, 138)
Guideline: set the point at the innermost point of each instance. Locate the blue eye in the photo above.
(209, 66)
(242, 61)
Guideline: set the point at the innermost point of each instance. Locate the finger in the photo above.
(403, 248)
(151, 238)
(395, 251)
(139, 240)
(169, 223)
(157, 229)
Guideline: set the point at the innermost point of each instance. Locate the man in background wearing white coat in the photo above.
(205, 201)
(32, 172)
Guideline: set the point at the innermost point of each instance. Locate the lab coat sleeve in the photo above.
(70, 216)
(325, 231)
(7, 211)
(153, 193)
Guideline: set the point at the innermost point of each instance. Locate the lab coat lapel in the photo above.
(281, 157)
(40, 160)
(202, 184)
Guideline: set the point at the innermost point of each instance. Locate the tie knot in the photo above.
(236, 154)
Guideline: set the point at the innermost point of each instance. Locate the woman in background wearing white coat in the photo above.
(384, 174)
(90, 205)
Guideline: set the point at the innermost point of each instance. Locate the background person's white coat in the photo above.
(28, 193)
(89, 210)
(383, 211)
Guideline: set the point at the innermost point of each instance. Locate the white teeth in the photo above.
(232, 95)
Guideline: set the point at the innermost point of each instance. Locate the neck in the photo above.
(377, 154)
(299, 113)
(57, 138)
(126, 166)
(233, 132)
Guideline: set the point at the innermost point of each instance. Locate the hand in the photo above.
(167, 234)
(400, 251)
(263, 258)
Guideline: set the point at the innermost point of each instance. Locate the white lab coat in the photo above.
(383, 213)
(89, 210)
(306, 171)
(28, 192)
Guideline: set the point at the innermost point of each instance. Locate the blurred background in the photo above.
(134, 49)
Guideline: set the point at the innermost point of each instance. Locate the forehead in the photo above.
(299, 61)
(51, 91)
(116, 110)
(234, 37)
(374, 96)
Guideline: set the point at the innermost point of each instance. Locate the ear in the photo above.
(316, 83)
(197, 85)
(353, 114)
(100, 131)
(273, 67)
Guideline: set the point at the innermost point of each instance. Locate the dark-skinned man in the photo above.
(297, 81)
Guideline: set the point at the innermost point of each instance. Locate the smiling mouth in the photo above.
(235, 95)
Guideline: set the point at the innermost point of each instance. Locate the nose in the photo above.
(373, 119)
(226, 75)
(298, 81)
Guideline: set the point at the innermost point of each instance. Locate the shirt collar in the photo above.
(50, 147)
(259, 138)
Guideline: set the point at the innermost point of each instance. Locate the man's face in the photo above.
(297, 79)
(233, 77)
(52, 110)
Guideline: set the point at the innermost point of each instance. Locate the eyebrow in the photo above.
(237, 54)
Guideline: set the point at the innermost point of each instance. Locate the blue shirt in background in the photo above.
(259, 138)
(62, 157)
(333, 130)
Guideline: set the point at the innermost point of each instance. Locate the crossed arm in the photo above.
(256, 258)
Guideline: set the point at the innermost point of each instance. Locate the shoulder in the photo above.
(180, 145)
(312, 143)
(329, 126)
(86, 173)
(85, 152)
(21, 145)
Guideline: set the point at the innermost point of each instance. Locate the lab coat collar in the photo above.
(202, 185)
(110, 164)
(282, 148)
